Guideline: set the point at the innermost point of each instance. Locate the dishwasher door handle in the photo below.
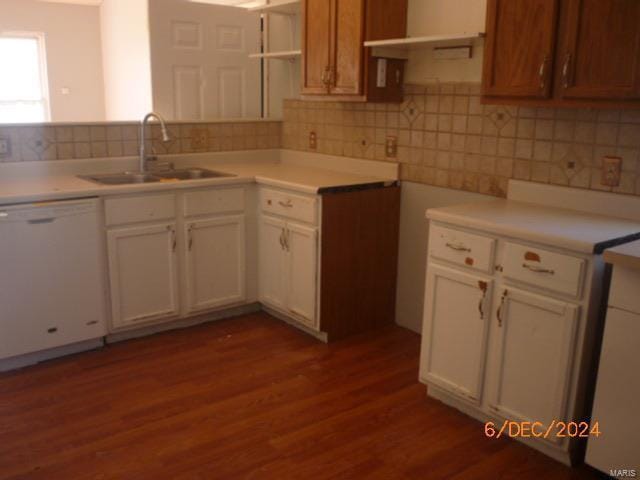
(40, 221)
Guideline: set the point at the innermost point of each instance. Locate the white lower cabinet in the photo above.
(215, 262)
(288, 267)
(535, 338)
(143, 273)
(457, 310)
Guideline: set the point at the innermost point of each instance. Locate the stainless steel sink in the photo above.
(127, 178)
(190, 174)
(124, 178)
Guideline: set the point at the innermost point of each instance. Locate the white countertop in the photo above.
(627, 255)
(56, 185)
(570, 229)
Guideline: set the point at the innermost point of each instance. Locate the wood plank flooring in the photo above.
(252, 398)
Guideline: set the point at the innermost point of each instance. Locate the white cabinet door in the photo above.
(215, 262)
(536, 338)
(454, 335)
(301, 246)
(272, 262)
(143, 276)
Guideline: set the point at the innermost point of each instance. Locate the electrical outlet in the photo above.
(199, 138)
(313, 141)
(391, 147)
(611, 171)
(4, 147)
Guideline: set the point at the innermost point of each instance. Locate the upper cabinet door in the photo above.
(519, 48)
(316, 46)
(347, 73)
(600, 54)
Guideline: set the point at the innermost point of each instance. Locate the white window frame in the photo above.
(42, 58)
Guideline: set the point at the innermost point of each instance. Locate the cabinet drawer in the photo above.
(144, 208)
(624, 289)
(289, 205)
(213, 201)
(544, 269)
(462, 248)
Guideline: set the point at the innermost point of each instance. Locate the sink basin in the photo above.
(189, 174)
(127, 178)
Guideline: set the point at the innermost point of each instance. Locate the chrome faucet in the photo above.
(165, 137)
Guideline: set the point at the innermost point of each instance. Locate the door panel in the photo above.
(215, 262)
(348, 47)
(302, 265)
(600, 57)
(536, 343)
(454, 336)
(272, 258)
(142, 270)
(316, 43)
(519, 48)
(200, 60)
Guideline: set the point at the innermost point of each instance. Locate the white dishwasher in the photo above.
(51, 276)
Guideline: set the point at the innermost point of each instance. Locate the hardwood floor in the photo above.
(248, 397)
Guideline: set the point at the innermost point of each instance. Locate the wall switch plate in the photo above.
(4, 147)
(313, 140)
(611, 171)
(391, 146)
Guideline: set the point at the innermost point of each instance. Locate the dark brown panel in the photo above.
(359, 260)
(386, 19)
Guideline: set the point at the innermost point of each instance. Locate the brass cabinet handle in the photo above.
(499, 312)
(286, 239)
(481, 304)
(535, 269)
(542, 73)
(457, 248)
(190, 233)
(174, 238)
(282, 239)
(287, 204)
(565, 70)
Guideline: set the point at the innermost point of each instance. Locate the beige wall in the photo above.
(126, 59)
(74, 59)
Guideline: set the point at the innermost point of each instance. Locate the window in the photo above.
(23, 83)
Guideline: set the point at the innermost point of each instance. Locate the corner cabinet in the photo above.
(508, 329)
(563, 53)
(336, 64)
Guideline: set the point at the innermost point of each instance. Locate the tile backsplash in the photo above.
(61, 142)
(445, 137)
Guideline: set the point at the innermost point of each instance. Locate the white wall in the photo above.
(126, 59)
(414, 232)
(440, 17)
(74, 58)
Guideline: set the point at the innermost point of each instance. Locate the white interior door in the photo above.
(215, 262)
(454, 335)
(200, 60)
(142, 271)
(302, 263)
(536, 343)
(272, 262)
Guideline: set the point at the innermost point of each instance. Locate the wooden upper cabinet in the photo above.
(346, 76)
(317, 42)
(335, 62)
(599, 57)
(563, 53)
(519, 48)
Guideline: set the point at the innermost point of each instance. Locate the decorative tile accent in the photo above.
(39, 143)
(446, 137)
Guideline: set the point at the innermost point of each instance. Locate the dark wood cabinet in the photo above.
(563, 53)
(599, 54)
(519, 48)
(335, 63)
